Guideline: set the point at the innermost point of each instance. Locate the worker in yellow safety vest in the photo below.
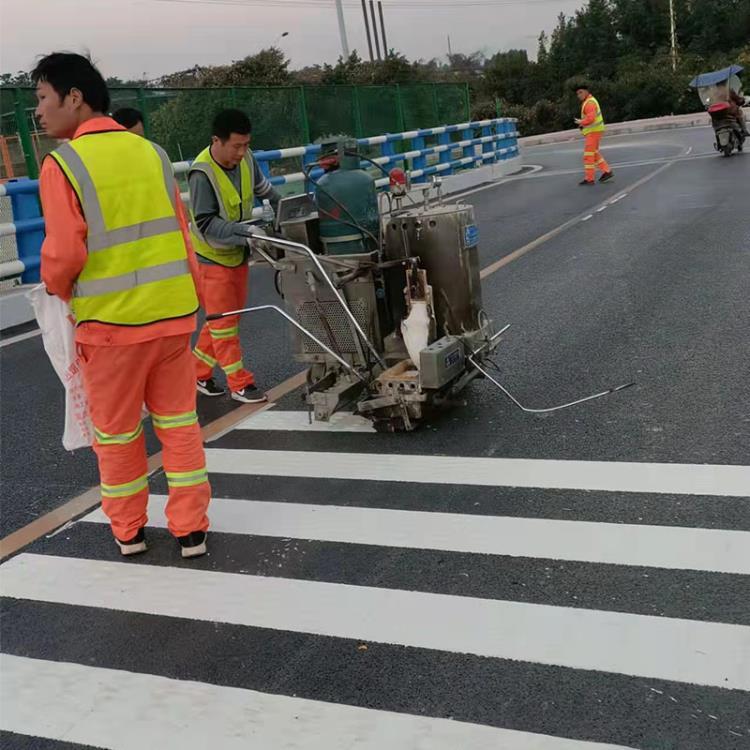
(591, 123)
(117, 246)
(224, 181)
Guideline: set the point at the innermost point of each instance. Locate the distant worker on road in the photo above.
(591, 124)
(223, 180)
(118, 247)
(131, 119)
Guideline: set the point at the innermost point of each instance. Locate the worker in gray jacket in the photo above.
(224, 179)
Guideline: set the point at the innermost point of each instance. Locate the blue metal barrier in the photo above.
(485, 141)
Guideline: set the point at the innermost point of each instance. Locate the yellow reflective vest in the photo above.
(233, 206)
(598, 125)
(137, 268)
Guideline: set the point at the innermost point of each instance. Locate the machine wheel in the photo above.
(727, 150)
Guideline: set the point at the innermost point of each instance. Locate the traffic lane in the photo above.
(623, 149)
(644, 292)
(39, 473)
(616, 151)
(517, 212)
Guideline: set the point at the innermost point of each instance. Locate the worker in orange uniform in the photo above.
(591, 124)
(224, 180)
(117, 246)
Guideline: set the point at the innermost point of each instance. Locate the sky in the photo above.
(148, 38)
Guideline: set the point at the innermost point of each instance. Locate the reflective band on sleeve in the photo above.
(186, 478)
(234, 367)
(175, 420)
(224, 333)
(131, 280)
(104, 438)
(203, 357)
(125, 490)
(133, 233)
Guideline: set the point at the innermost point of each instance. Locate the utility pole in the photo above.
(375, 29)
(382, 28)
(367, 30)
(450, 52)
(342, 29)
(673, 34)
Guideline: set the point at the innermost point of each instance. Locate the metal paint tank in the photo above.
(446, 240)
(346, 197)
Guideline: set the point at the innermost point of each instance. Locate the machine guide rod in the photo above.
(257, 308)
(551, 408)
(304, 250)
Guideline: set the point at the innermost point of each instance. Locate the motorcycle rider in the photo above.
(736, 102)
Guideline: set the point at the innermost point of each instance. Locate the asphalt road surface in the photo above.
(576, 580)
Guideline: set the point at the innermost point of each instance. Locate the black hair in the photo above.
(128, 117)
(581, 85)
(66, 70)
(230, 121)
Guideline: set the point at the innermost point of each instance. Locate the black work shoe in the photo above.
(250, 395)
(133, 546)
(209, 388)
(586, 182)
(607, 176)
(193, 544)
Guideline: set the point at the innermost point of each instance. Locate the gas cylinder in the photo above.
(347, 202)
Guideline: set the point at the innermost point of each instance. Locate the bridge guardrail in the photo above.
(479, 142)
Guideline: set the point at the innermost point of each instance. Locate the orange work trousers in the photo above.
(222, 289)
(592, 157)
(118, 380)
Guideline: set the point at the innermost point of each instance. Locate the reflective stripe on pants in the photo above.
(118, 380)
(222, 289)
(592, 157)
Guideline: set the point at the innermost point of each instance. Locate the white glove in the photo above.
(249, 230)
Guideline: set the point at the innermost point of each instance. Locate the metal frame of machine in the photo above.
(384, 298)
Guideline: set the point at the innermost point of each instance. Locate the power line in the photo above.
(396, 5)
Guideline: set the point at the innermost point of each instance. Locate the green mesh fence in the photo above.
(452, 103)
(379, 109)
(418, 102)
(331, 110)
(180, 119)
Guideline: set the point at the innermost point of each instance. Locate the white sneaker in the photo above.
(133, 546)
(250, 395)
(193, 544)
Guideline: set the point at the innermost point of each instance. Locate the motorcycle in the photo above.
(714, 91)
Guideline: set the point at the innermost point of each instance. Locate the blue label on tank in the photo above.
(452, 359)
(471, 235)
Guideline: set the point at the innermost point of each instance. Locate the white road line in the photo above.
(679, 479)
(701, 653)
(602, 208)
(274, 419)
(670, 547)
(20, 337)
(617, 198)
(88, 705)
(586, 218)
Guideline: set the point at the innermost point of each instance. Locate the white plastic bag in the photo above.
(58, 334)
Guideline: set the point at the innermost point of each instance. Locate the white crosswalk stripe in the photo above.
(224, 717)
(58, 693)
(715, 550)
(648, 646)
(681, 479)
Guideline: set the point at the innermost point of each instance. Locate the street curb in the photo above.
(697, 119)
